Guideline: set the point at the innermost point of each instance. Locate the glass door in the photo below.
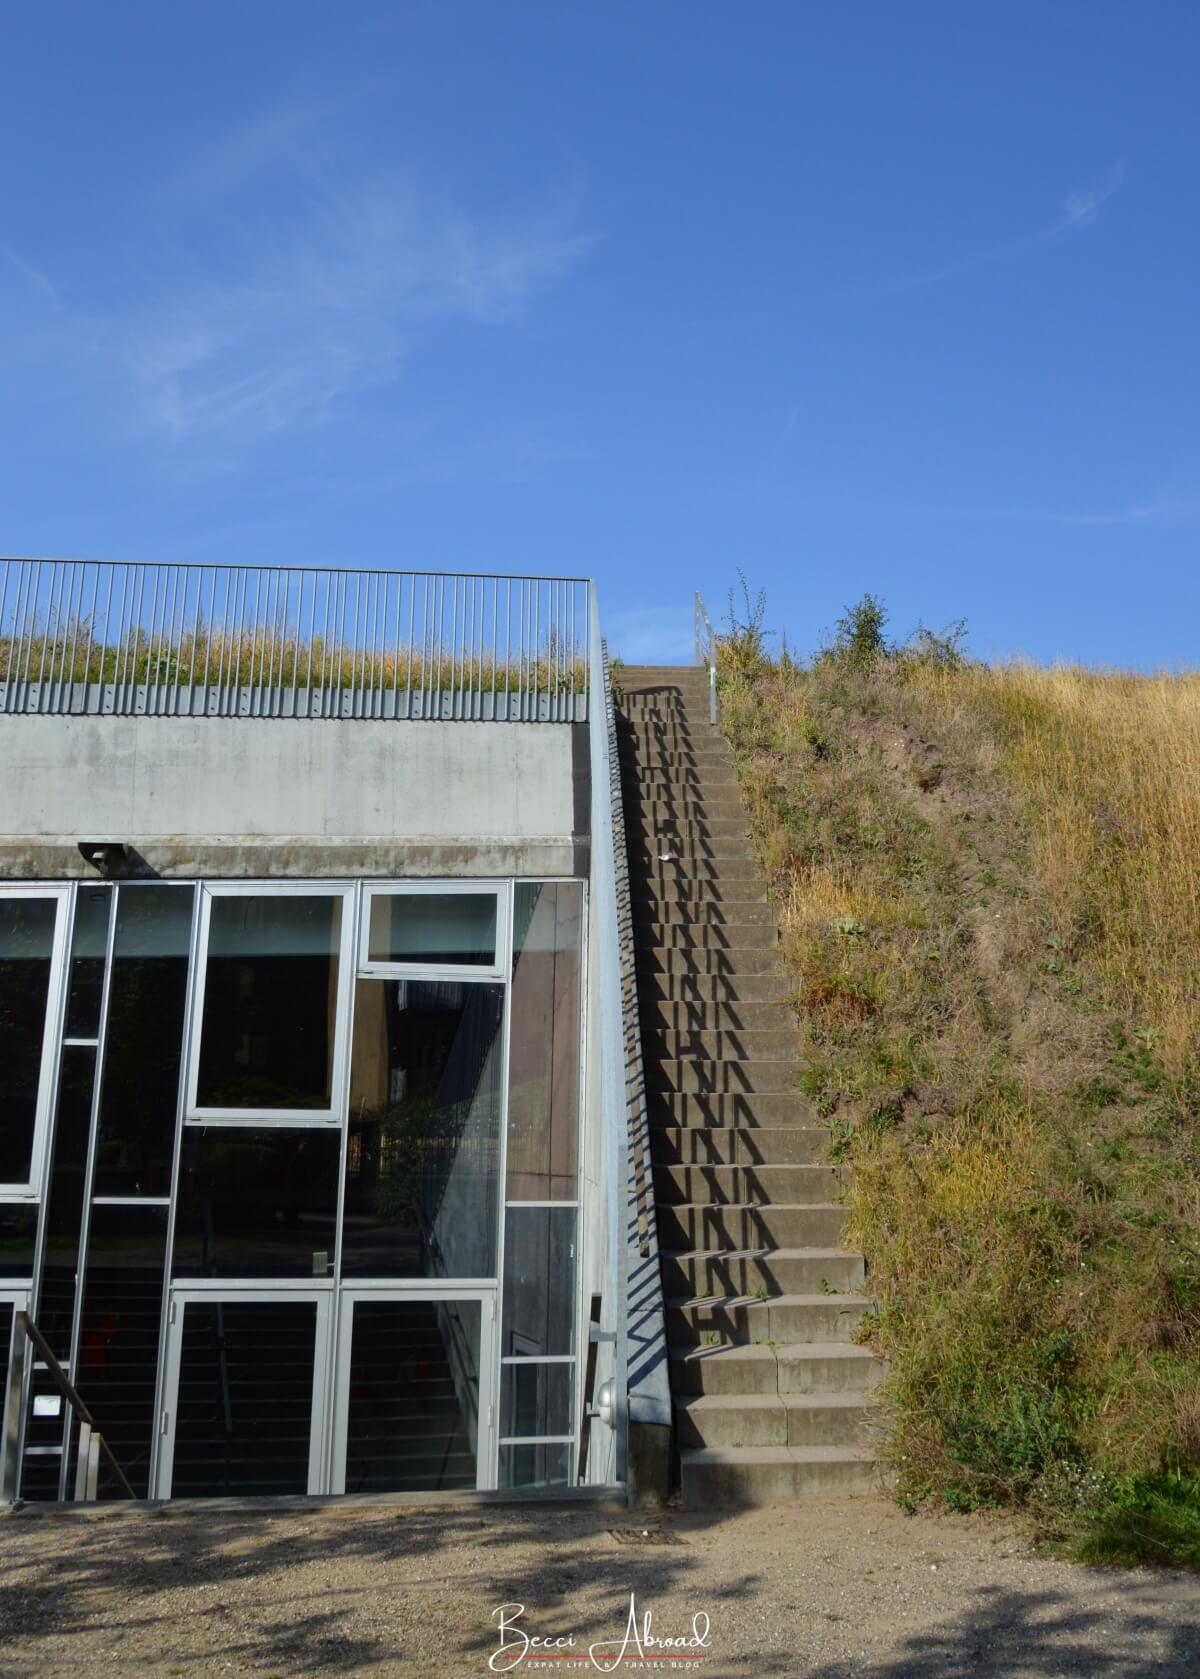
(244, 1407)
(13, 1363)
(414, 1406)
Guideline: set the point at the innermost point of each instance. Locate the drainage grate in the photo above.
(645, 1536)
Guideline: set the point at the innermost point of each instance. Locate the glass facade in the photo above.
(288, 1181)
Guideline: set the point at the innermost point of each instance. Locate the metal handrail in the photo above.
(88, 637)
(706, 653)
(92, 1444)
(641, 1389)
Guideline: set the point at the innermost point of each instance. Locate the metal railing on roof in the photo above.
(98, 638)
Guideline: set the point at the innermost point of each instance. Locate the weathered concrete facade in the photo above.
(239, 797)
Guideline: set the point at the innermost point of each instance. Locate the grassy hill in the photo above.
(989, 879)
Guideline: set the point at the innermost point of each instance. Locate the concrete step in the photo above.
(687, 828)
(657, 737)
(683, 806)
(707, 935)
(685, 912)
(648, 853)
(637, 752)
(787, 1318)
(742, 960)
(806, 1367)
(744, 1044)
(707, 1015)
(648, 869)
(731, 1476)
(736, 1145)
(775, 1419)
(701, 1225)
(651, 780)
(735, 1077)
(667, 673)
(658, 985)
(748, 1185)
(652, 690)
(800, 1270)
(700, 894)
(748, 1111)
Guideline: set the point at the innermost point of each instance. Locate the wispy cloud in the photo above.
(38, 283)
(1164, 512)
(330, 311)
(1080, 210)
(272, 284)
(1139, 513)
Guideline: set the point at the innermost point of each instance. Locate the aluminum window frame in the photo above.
(443, 1288)
(16, 1367)
(34, 1188)
(499, 890)
(238, 1294)
(274, 1118)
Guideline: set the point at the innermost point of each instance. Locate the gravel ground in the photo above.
(820, 1590)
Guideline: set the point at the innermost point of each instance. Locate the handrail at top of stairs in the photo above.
(706, 653)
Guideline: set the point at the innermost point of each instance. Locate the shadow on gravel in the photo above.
(330, 1593)
(1032, 1635)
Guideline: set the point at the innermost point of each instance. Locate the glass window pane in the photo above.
(413, 1416)
(26, 944)
(89, 942)
(56, 1302)
(144, 1040)
(433, 927)
(256, 1203)
(270, 1003)
(543, 1078)
(536, 1466)
(118, 1349)
(18, 1231)
(423, 1168)
(539, 1281)
(536, 1398)
(245, 1399)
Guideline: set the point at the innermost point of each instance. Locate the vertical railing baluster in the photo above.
(20, 653)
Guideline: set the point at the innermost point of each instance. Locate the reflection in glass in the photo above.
(543, 1076)
(270, 1003)
(244, 1419)
(435, 928)
(539, 1281)
(423, 1163)
(118, 1348)
(144, 1043)
(256, 1203)
(536, 1466)
(18, 1230)
(535, 1398)
(89, 941)
(413, 1417)
(56, 1301)
(26, 943)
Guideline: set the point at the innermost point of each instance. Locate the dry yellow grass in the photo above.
(1110, 764)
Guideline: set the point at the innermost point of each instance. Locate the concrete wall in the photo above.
(257, 797)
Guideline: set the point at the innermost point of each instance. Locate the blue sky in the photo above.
(860, 296)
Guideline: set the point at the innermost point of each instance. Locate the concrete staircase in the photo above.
(771, 1393)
